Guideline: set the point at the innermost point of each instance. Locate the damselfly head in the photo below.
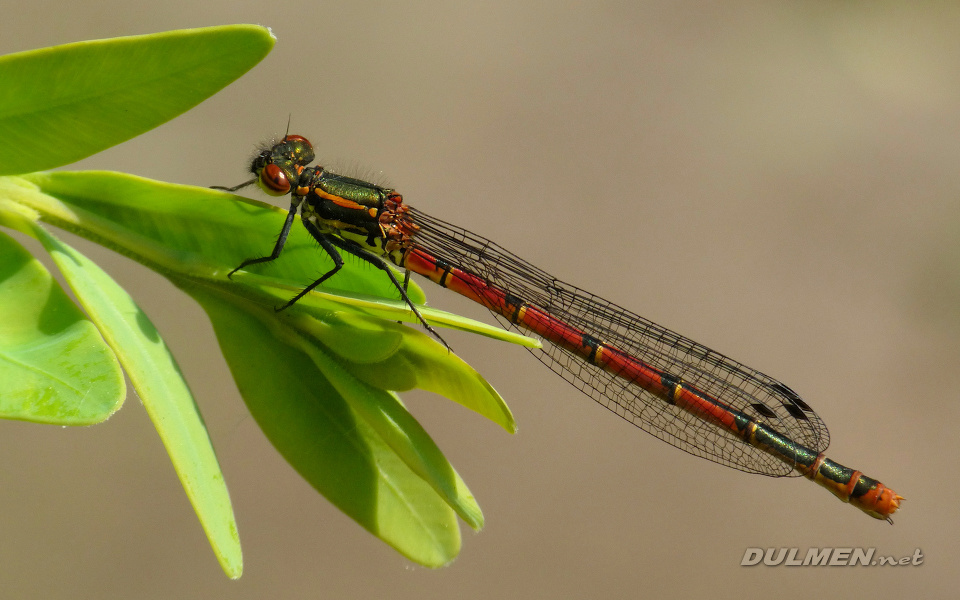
(294, 148)
(278, 166)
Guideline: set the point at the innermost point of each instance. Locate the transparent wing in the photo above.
(750, 392)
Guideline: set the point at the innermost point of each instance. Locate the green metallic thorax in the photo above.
(344, 206)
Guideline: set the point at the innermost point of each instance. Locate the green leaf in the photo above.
(319, 378)
(54, 366)
(163, 391)
(385, 354)
(339, 349)
(320, 433)
(61, 104)
(389, 418)
(186, 231)
(195, 232)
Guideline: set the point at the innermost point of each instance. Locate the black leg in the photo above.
(406, 283)
(278, 248)
(234, 188)
(324, 241)
(381, 264)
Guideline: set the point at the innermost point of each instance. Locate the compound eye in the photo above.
(300, 139)
(299, 149)
(273, 180)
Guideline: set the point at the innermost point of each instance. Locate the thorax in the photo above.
(371, 216)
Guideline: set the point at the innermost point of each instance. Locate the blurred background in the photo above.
(778, 181)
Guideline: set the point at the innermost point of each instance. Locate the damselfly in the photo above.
(664, 383)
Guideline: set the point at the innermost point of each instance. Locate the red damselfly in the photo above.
(664, 383)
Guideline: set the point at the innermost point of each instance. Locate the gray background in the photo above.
(776, 180)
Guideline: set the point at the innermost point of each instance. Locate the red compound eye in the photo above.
(299, 138)
(273, 180)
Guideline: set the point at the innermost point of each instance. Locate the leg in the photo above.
(406, 282)
(324, 242)
(234, 188)
(278, 248)
(381, 264)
